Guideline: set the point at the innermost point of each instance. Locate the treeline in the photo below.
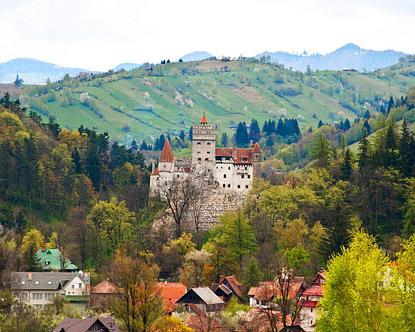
(50, 170)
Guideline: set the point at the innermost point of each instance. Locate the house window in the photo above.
(73, 286)
(47, 262)
(37, 296)
(311, 309)
(80, 285)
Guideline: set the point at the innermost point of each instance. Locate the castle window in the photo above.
(246, 167)
(208, 152)
(198, 143)
(239, 186)
(206, 159)
(243, 176)
(178, 175)
(224, 185)
(224, 176)
(249, 176)
(229, 185)
(229, 168)
(198, 152)
(246, 186)
(199, 159)
(208, 143)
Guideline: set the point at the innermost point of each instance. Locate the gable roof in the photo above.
(51, 260)
(42, 280)
(171, 292)
(105, 287)
(267, 290)
(232, 283)
(256, 148)
(167, 153)
(204, 293)
(83, 325)
(204, 119)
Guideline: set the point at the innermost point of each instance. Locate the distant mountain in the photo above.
(126, 66)
(196, 56)
(33, 71)
(349, 56)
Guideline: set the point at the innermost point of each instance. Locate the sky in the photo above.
(99, 34)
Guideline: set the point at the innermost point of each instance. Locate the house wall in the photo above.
(38, 298)
(75, 287)
(308, 318)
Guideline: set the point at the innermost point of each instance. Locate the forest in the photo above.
(323, 195)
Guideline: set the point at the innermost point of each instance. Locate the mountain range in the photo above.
(34, 71)
(349, 56)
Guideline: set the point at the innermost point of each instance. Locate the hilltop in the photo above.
(148, 100)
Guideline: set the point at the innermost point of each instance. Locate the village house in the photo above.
(101, 324)
(201, 298)
(39, 288)
(312, 296)
(227, 288)
(53, 260)
(102, 295)
(171, 292)
(230, 169)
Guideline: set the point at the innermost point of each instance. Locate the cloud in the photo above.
(99, 34)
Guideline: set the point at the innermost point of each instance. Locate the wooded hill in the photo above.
(144, 102)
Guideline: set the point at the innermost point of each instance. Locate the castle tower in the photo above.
(256, 158)
(166, 161)
(203, 144)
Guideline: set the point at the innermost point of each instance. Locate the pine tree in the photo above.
(252, 274)
(182, 135)
(346, 168)
(367, 127)
(241, 135)
(364, 155)
(389, 147)
(320, 124)
(191, 133)
(406, 153)
(254, 131)
(321, 152)
(143, 146)
(347, 125)
(224, 140)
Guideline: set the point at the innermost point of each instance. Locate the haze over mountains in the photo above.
(349, 56)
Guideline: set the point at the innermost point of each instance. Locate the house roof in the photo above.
(171, 292)
(256, 148)
(239, 155)
(51, 260)
(167, 153)
(205, 294)
(313, 290)
(252, 291)
(84, 325)
(309, 304)
(269, 289)
(42, 280)
(105, 287)
(232, 283)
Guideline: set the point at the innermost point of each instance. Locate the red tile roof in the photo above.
(171, 292)
(256, 148)
(105, 287)
(314, 290)
(234, 284)
(239, 155)
(166, 153)
(309, 304)
(204, 119)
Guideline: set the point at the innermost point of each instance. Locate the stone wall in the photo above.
(206, 212)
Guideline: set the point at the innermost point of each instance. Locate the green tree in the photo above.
(241, 135)
(346, 166)
(321, 152)
(406, 151)
(224, 140)
(110, 226)
(355, 289)
(253, 273)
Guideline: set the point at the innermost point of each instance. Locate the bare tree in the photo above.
(177, 196)
(282, 296)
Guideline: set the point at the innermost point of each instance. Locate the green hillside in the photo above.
(144, 102)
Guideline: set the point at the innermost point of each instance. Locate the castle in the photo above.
(227, 169)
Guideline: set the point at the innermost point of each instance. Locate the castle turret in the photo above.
(203, 144)
(166, 161)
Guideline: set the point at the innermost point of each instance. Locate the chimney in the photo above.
(43, 247)
(29, 276)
